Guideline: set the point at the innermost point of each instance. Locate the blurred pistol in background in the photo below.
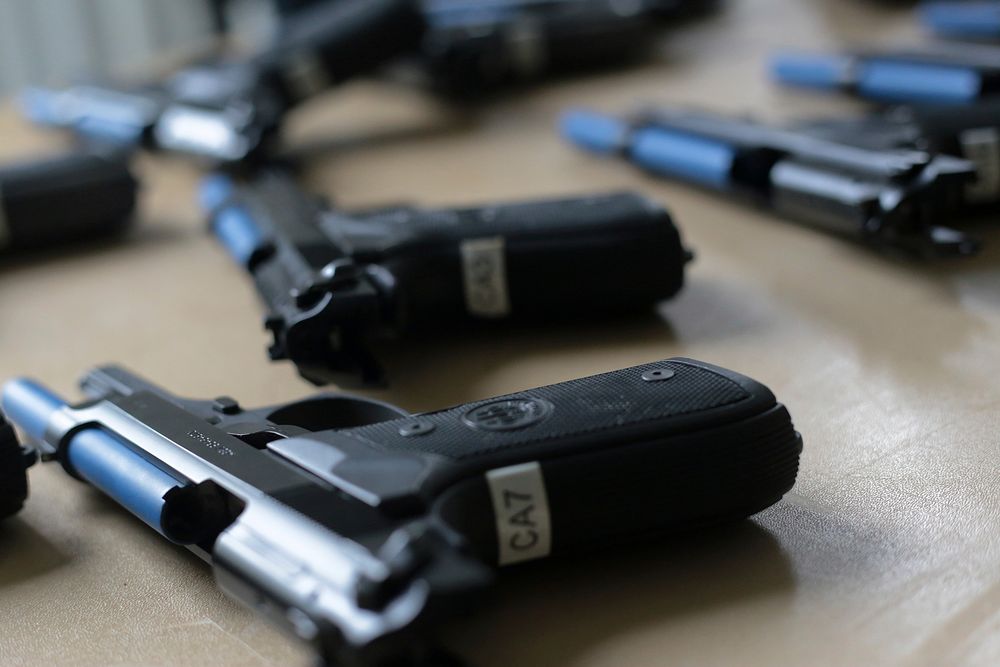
(891, 199)
(334, 283)
(358, 528)
(231, 111)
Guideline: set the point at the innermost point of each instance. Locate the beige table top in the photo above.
(886, 552)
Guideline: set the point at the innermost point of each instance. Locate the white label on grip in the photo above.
(982, 147)
(484, 272)
(521, 508)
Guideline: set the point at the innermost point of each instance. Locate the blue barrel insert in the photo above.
(99, 457)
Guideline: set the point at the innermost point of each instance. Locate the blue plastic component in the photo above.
(110, 465)
(102, 129)
(238, 233)
(594, 131)
(30, 406)
(683, 156)
(99, 457)
(883, 80)
(893, 81)
(39, 106)
(43, 107)
(980, 18)
(213, 191)
(811, 70)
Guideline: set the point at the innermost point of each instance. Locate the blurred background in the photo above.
(52, 42)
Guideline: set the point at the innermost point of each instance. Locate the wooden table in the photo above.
(886, 552)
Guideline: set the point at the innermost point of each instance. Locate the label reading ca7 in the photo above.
(521, 509)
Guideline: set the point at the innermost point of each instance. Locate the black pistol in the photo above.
(317, 48)
(334, 283)
(890, 199)
(356, 527)
(230, 110)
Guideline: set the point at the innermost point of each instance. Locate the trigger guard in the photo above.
(332, 411)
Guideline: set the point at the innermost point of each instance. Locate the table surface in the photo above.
(887, 551)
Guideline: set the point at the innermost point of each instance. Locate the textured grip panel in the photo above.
(545, 218)
(618, 458)
(570, 416)
(551, 259)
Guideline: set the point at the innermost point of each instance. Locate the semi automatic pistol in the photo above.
(946, 74)
(335, 283)
(231, 110)
(888, 198)
(354, 525)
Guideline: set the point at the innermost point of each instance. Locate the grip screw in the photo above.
(415, 427)
(658, 375)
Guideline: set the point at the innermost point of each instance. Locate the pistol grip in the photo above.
(649, 450)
